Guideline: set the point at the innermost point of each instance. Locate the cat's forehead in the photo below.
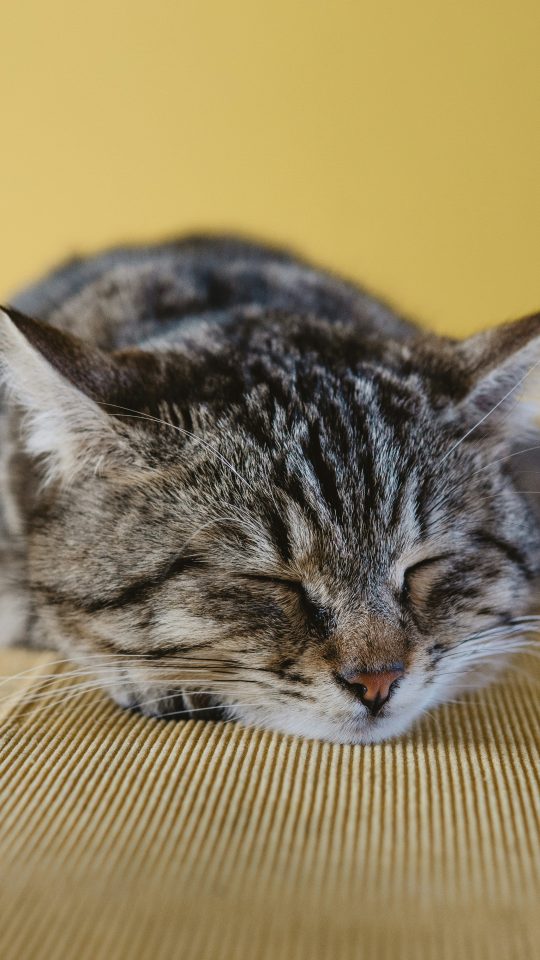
(329, 472)
(295, 528)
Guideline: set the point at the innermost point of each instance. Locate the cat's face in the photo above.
(327, 560)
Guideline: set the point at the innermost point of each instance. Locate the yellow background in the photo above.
(395, 140)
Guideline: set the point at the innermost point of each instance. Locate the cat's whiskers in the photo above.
(484, 650)
(131, 413)
(489, 413)
(489, 662)
(67, 676)
(65, 684)
(37, 668)
(189, 711)
(51, 700)
(493, 463)
(80, 689)
(523, 625)
(504, 639)
(215, 521)
(121, 655)
(57, 695)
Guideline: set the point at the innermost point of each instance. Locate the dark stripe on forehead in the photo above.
(278, 381)
(278, 532)
(396, 409)
(398, 403)
(399, 497)
(422, 499)
(368, 466)
(325, 471)
(299, 493)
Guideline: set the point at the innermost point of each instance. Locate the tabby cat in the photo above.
(234, 485)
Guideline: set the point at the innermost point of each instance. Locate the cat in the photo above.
(237, 486)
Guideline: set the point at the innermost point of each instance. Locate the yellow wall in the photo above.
(395, 140)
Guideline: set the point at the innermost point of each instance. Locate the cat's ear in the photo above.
(501, 377)
(59, 382)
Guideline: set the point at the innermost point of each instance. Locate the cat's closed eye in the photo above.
(420, 577)
(284, 582)
(316, 614)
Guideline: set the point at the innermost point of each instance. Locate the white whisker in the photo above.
(139, 415)
(489, 413)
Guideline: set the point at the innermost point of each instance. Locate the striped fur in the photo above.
(230, 480)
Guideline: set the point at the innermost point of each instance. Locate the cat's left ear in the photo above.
(62, 385)
(501, 376)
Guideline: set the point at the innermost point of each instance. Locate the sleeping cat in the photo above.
(234, 485)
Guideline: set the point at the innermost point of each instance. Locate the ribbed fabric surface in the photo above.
(125, 837)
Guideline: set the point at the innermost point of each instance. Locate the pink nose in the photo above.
(373, 688)
(376, 685)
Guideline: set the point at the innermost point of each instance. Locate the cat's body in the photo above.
(263, 489)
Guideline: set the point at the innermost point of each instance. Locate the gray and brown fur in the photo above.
(231, 482)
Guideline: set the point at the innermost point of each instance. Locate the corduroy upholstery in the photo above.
(126, 837)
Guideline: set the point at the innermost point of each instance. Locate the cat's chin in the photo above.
(355, 731)
(191, 706)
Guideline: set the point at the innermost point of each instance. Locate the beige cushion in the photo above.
(122, 836)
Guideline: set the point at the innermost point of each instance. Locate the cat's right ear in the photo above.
(500, 371)
(60, 383)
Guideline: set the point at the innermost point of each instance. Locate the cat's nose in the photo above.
(373, 688)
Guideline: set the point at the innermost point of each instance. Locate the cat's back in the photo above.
(132, 294)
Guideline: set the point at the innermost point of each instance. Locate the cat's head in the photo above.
(282, 522)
